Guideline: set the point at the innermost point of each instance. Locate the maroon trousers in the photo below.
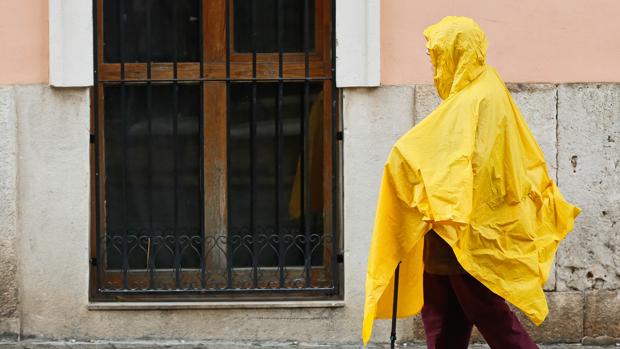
(454, 303)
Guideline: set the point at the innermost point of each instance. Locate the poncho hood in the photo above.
(473, 172)
(458, 48)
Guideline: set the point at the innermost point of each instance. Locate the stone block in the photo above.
(588, 167)
(601, 341)
(602, 314)
(537, 103)
(426, 100)
(564, 322)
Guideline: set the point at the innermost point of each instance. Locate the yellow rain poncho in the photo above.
(471, 171)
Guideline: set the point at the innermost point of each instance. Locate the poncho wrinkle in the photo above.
(473, 172)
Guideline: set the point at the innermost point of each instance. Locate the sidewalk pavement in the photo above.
(39, 344)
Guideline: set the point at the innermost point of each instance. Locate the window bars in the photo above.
(215, 158)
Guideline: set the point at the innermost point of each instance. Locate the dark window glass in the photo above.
(267, 25)
(264, 147)
(138, 44)
(153, 179)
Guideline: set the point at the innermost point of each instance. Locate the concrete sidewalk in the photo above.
(39, 344)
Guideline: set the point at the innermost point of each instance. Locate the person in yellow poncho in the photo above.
(472, 175)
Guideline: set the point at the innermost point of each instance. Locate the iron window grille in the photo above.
(215, 150)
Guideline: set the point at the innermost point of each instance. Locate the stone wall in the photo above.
(44, 220)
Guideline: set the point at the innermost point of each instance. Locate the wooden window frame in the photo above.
(214, 86)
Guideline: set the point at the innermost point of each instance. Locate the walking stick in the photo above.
(394, 308)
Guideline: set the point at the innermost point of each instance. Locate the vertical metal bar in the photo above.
(229, 261)
(125, 265)
(253, 150)
(304, 148)
(306, 30)
(149, 258)
(96, 87)
(394, 307)
(177, 249)
(280, 31)
(279, 26)
(203, 265)
(253, 37)
(335, 160)
(121, 37)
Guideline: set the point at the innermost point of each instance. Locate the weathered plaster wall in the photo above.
(373, 120)
(53, 196)
(9, 315)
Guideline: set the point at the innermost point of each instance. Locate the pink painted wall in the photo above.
(23, 41)
(529, 40)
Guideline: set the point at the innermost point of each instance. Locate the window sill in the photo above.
(212, 305)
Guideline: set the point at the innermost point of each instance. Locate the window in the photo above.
(215, 150)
